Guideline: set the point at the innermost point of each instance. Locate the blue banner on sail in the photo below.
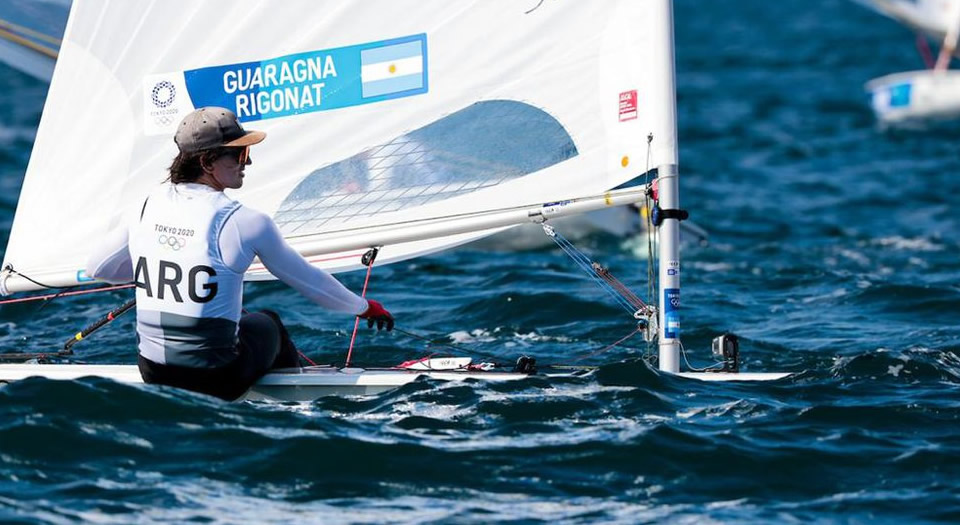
(314, 80)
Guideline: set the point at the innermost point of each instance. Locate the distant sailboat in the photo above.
(920, 96)
(412, 127)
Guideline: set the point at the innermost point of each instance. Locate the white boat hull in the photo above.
(303, 384)
(915, 96)
(310, 383)
(739, 376)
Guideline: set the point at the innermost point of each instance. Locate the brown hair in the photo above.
(188, 167)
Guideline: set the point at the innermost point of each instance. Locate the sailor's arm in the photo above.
(110, 260)
(257, 232)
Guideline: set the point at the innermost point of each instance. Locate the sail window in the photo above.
(478, 147)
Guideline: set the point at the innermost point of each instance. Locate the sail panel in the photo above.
(479, 147)
(427, 108)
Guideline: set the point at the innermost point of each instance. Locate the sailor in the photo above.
(187, 248)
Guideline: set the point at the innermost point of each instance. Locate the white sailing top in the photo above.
(187, 248)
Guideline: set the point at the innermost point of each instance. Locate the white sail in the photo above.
(378, 113)
(931, 17)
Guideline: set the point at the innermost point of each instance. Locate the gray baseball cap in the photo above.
(213, 127)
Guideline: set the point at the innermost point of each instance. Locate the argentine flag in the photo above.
(393, 68)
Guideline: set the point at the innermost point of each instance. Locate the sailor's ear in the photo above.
(206, 161)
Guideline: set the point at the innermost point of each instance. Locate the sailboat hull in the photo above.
(311, 383)
(916, 96)
(302, 384)
(737, 376)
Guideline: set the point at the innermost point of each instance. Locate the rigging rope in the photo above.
(9, 269)
(589, 267)
(64, 294)
(600, 275)
(619, 287)
(367, 259)
(635, 331)
(711, 368)
(651, 262)
(454, 346)
(466, 348)
(651, 231)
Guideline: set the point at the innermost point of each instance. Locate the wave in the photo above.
(624, 432)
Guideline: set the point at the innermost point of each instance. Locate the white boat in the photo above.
(915, 98)
(303, 384)
(389, 126)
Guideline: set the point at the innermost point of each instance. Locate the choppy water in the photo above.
(835, 253)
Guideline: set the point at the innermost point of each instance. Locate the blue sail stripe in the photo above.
(392, 85)
(376, 55)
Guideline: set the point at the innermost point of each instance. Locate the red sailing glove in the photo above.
(376, 312)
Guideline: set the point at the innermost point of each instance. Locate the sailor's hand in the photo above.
(377, 313)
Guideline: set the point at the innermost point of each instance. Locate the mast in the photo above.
(669, 193)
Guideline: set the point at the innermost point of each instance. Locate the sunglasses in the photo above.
(241, 154)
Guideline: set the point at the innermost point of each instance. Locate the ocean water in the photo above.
(834, 254)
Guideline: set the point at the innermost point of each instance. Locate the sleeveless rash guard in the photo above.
(188, 299)
(187, 248)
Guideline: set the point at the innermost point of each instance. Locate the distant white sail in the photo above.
(931, 17)
(378, 112)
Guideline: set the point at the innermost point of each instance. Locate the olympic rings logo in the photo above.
(171, 242)
(163, 120)
(165, 88)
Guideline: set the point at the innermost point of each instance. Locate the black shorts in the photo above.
(263, 344)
